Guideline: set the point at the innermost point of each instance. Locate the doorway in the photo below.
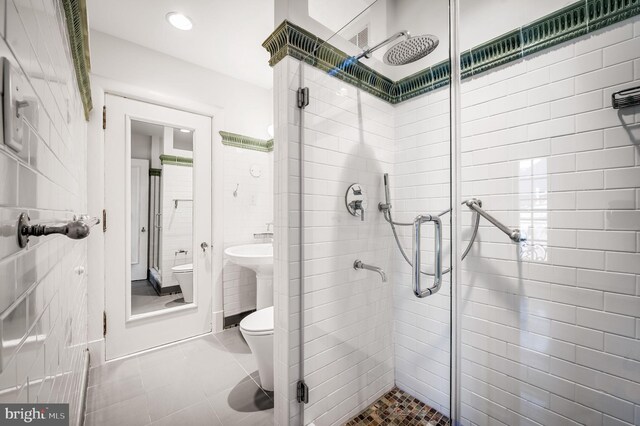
(158, 240)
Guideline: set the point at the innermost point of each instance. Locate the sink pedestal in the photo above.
(264, 290)
(259, 258)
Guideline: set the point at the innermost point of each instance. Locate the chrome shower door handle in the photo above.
(417, 257)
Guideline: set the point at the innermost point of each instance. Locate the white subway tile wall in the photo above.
(43, 319)
(244, 215)
(550, 330)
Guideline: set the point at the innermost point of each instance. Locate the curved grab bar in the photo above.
(416, 255)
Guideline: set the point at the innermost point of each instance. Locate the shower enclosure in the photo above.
(496, 189)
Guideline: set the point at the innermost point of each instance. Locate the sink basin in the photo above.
(258, 257)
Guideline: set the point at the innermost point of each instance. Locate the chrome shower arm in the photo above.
(367, 53)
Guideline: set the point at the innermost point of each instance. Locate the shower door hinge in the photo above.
(302, 392)
(104, 220)
(303, 97)
(104, 117)
(104, 323)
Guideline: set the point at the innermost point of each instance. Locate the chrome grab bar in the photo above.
(515, 234)
(416, 255)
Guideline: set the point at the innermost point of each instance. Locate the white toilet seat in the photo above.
(259, 323)
(182, 269)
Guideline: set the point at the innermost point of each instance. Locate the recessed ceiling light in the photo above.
(185, 130)
(179, 21)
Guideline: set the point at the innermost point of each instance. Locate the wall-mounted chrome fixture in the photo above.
(265, 235)
(356, 201)
(359, 265)
(181, 251)
(178, 200)
(515, 234)
(626, 98)
(473, 204)
(235, 193)
(417, 253)
(77, 229)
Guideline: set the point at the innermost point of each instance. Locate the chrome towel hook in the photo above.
(76, 229)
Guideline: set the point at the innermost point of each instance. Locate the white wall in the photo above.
(245, 109)
(245, 215)
(552, 333)
(43, 299)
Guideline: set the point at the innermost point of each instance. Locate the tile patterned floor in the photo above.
(397, 407)
(212, 380)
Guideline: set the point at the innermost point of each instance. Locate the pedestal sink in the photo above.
(258, 257)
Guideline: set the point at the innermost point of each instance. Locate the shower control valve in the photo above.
(356, 201)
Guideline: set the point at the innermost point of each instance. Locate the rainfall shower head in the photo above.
(405, 52)
(411, 49)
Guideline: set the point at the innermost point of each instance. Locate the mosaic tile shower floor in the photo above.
(397, 407)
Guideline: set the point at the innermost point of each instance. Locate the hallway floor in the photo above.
(211, 380)
(145, 299)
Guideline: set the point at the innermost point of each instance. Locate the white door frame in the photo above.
(134, 333)
(96, 286)
(139, 269)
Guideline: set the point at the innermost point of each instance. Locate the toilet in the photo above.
(184, 275)
(257, 330)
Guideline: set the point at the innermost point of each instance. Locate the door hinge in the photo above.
(104, 220)
(104, 323)
(303, 97)
(104, 117)
(302, 392)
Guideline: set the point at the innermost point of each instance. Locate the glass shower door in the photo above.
(375, 149)
(550, 324)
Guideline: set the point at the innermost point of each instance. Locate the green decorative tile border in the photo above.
(577, 19)
(75, 12)
(176, 161)
(241, 141)
(155, 172)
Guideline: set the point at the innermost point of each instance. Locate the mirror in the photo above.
(161, 217)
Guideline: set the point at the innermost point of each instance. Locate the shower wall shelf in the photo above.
(626, 98)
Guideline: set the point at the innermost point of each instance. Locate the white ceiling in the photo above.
(226, 35)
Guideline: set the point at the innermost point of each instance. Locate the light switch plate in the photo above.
(13, 103)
